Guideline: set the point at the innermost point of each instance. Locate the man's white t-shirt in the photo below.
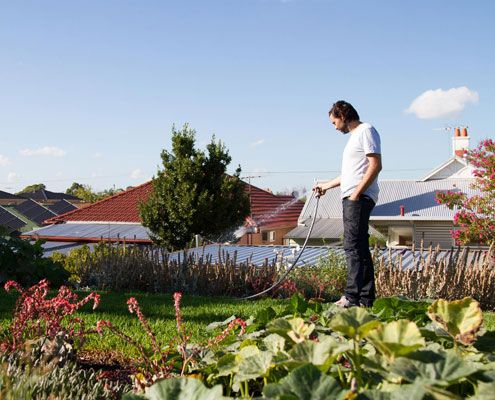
(364, 140)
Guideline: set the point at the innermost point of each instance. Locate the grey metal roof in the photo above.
(63, 247)
(258, 255)
(324, 228)
(417, 197)
(9, 196)
(43, 194)
(92, 231)
(61, 207)
(10, 221)
(34, 211)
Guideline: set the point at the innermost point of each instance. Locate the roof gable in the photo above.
(452, 168)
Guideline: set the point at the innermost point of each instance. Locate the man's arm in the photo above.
(322, 188)
(374, 168)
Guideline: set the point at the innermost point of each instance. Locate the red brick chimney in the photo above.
(460, 142)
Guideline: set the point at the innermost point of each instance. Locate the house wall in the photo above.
(257, 238)
(433, 234)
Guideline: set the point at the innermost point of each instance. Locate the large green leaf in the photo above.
(274, 343)
(449, 368)
(253, 363)
(299, 331)
(462, 319)
(305, 383)
(318, 353)
(179, 389)
(354, 322)
(396, 338)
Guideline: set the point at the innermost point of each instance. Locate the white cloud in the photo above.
(4, 160)
(44, 151)
(97, 155)
(257, 143)
(12, 177)
(442, 103)
(137, 174)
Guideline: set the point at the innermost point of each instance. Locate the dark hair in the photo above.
(343, 109)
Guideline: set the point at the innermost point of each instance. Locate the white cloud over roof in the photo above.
(442, 103)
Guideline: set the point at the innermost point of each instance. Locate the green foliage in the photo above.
(305, 383)
(24, 263)
(32, 188)
(178, 389)
(395, 308)
(326, 280)
(86, 193)
(193, 194)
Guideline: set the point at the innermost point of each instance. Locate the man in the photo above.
(361, 164)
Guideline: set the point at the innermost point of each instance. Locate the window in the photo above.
(264, 236)
(272, 236)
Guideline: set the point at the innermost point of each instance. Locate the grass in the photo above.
(197, 313)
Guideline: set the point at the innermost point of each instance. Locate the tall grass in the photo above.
(432, 274)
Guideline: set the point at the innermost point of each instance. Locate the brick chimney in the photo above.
(460, 142)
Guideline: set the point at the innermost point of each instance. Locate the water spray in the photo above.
(286, 273)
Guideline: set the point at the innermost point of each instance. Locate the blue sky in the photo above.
(89, 90)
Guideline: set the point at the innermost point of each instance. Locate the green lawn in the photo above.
(197, 312)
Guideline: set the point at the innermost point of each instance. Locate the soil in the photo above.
(111, 366)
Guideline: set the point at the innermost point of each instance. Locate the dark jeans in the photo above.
(360, 272)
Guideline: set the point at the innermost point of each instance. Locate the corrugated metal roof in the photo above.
(417, 197)
(34, 211)
(62, 207)
(10, 221)
(43, 194)
(9, 196)
(258, 255)
(324, 228)
(90, 232)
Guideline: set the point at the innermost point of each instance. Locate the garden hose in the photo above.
(286, 273)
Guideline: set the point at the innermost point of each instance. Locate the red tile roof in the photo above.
(267, 209)
(122, 207)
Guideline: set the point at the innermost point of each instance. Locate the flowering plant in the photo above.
(475, 215)
(37, 316)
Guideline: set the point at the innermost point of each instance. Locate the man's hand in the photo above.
(319, 190)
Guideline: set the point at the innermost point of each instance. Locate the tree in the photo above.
(86, 193)
(475, 215)
(32, 188)
(193, 194)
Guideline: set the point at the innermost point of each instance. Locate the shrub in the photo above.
(24, 262)
(325, 280)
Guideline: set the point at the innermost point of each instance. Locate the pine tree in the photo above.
(192, 194)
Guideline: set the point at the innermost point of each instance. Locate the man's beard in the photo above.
(345, 129)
